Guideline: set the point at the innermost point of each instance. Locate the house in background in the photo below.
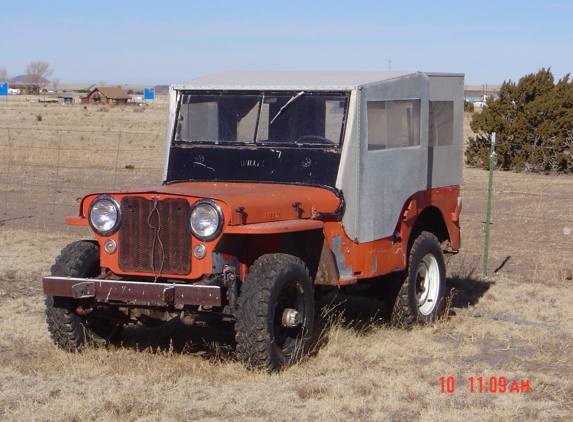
(106, 95)
(25, 89)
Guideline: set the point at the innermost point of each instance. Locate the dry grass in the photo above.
(360, 370)
(372, 373)
(78, 137)
(45, 166)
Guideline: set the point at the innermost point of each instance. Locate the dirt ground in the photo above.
(360, 370)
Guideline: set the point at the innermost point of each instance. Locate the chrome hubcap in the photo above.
(428, 284)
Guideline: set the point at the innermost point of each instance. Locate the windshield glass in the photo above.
(263, 118)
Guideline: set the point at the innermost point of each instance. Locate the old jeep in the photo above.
(277, 189)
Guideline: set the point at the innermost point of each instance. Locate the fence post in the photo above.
(488, 212)
(57, 175)
(116, 159)
(7, 173)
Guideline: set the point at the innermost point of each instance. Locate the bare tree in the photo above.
(4, 74)
(101, 83)
(37, 74)
(55, 83)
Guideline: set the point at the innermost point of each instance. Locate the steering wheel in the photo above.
(317, 139)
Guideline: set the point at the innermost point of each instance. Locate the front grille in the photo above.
(155, 236)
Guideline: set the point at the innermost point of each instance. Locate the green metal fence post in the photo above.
(488, 213)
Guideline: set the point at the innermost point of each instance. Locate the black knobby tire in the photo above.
(275, 283)
(386, 290)
(69, 330)
(421, 297)
(65, 326)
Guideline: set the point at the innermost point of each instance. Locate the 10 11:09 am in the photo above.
(487, 385)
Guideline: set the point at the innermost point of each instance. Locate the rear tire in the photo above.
(275, 313)
(69, 330)
(421, 297)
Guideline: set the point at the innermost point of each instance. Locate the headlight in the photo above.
(206, 220)
(104, 215)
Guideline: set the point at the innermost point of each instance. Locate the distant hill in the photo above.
(161, 89)
(19, 79)
(22, 79)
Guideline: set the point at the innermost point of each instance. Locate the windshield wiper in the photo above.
(293, 98)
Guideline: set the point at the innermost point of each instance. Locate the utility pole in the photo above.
(389, 65)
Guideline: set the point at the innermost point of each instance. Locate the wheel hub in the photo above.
(290, 318)
(422, 284)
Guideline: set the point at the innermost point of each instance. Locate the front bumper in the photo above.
(132, 292)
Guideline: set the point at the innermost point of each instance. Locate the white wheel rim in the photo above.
(428, 284)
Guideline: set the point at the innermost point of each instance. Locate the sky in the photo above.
(164, 42)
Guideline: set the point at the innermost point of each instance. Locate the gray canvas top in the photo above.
(253, 80)
(375, 183)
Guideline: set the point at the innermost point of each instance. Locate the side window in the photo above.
(377, 131)
(441, 125)
(393, 124)
(334, 115)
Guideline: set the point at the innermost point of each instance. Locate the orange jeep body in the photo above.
(337, 174)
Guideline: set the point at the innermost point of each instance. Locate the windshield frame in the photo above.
(292, 98)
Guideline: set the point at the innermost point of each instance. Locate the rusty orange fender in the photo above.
(355, 260)
(77, 221)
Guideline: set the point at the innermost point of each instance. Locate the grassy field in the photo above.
(47, 163)
(360, 370)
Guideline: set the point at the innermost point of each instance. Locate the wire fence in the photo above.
(531, 223)
(45, 172)
(558, 230)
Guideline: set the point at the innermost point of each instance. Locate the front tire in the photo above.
(69, 330)
(275, 313)
(421, 297)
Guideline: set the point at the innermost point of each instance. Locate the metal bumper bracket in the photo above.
(83, 290)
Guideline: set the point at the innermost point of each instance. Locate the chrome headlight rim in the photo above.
(117, 207)
(220, 216)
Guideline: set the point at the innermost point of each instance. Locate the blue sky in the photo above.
(148, 42)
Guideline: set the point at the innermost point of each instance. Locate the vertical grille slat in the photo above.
(154, 236)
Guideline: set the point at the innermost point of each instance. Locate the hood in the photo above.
(259, 202)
